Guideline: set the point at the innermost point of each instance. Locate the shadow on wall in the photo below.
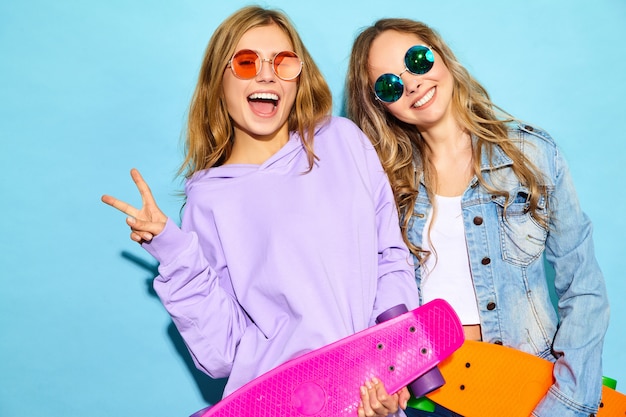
(210, 389)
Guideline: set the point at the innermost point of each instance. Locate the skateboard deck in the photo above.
(325, 382)
(483, 379)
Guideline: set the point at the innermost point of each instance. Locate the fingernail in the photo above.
(131, 220)
(363, 391)
(375, 381)
(368, 384)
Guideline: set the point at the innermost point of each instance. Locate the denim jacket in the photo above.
(506, 256)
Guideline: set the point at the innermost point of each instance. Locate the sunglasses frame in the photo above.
(262, 61)
(396, 79)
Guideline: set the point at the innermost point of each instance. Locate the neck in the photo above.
(256, 149)
(446, 140)
(450, 156)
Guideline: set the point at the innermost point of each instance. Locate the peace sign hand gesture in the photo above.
(146, 222)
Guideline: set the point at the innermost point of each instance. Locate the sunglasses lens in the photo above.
(419, 59)
(287, 65)
(388, 88)
(246, 64)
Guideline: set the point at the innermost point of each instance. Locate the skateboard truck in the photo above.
(429, 381)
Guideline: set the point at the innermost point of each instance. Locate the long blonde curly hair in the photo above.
(208, 142)
(402, 150)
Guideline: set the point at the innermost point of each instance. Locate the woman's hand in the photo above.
(145, 223)
(376, 402)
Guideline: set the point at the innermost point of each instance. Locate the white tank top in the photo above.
(447, 273)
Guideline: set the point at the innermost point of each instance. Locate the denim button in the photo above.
(478, 220)
(498, 342)
(485, 261)
(491, 306)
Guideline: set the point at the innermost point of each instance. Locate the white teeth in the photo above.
(263, 96)
(425, 99)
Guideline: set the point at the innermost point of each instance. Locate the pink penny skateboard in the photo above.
(326, 381)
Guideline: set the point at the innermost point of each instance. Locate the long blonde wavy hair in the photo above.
(403, 152)
(208, 142)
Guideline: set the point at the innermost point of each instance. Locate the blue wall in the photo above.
(90, 89)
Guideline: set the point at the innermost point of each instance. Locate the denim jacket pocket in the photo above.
(522, 239)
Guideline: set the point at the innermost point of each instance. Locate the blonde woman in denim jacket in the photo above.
(484, 202)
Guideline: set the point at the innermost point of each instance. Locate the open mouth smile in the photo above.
(263, 103)
(427, 97)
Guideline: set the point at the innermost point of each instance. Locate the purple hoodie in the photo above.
(271, 262)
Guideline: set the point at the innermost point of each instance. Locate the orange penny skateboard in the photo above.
(483, 379)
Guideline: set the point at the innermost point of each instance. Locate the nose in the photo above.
(267, 72)
(411, 82)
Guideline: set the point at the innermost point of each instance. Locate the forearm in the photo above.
(396, 273)
(582, 305)
(207, 316)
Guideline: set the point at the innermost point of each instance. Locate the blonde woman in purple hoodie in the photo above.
(289, 237)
